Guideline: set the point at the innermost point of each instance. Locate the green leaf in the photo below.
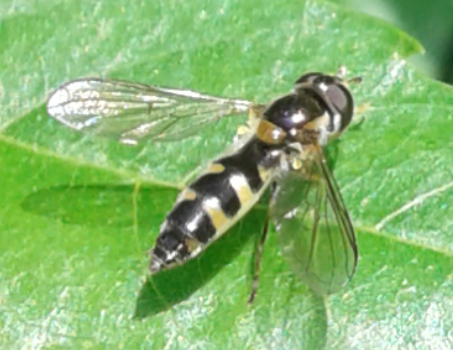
(78, 214)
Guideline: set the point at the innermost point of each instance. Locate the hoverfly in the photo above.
(282, 151)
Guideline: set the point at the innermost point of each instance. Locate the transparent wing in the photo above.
(315, 231)
(132, 112)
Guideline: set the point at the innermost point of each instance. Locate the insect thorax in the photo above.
(319, 109)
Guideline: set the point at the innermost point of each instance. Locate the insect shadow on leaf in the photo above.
(112, 206)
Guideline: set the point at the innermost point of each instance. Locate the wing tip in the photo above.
(54, 102)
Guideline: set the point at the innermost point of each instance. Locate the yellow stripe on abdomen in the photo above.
(242, 188)
(213, 208)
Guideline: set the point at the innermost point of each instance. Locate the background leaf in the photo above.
(78, 214)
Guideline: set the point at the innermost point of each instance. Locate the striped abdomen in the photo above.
(213, 203)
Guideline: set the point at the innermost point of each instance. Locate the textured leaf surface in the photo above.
(79, 213)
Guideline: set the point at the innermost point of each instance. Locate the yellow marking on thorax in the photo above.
(242, 188)
(270, 133)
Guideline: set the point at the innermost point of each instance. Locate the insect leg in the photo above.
(257, 264)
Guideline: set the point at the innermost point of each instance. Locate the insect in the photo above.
(281, 151)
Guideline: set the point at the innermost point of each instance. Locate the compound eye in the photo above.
(308, 78)
(340, 97)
